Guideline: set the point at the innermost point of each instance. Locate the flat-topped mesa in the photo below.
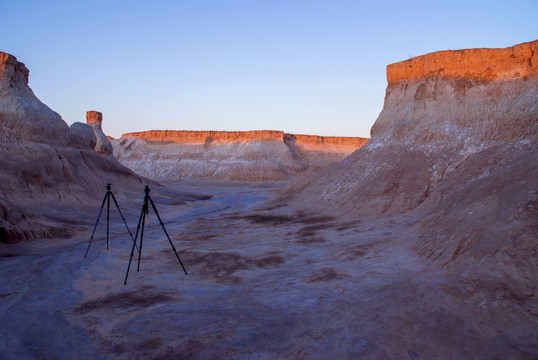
(513, 62)
(223, 137)
(439, 109)
(205, 137)
(95, 119)
(464, 98)
(232, 155)
(314, 142)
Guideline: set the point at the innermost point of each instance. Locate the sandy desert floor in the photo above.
(267, 279)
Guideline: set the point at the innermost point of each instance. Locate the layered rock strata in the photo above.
(519, 61)
(230, 155)
(44, 163)
(430, 125)
(456, 142)
(22, 116)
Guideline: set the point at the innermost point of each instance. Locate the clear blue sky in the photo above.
(311, 67)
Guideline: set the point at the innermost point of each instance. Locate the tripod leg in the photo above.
(125, 222)
(107, 217)
(95, 227)
(142, 234)
(173, 248)
(134, 243)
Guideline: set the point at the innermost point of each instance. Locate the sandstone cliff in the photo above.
(456, 142)
(231, 155)
(519, 61)
(430, 125)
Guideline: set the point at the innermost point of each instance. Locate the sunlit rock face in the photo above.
(229, 155)
(439, 109)
(466, 97)
(456, 142)
(95, 119)
(43, 161)
(516, 62)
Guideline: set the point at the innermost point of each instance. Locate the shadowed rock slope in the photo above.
(229, 155)
(456, 142)
(45, 165)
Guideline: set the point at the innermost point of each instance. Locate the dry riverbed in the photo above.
(267, 279)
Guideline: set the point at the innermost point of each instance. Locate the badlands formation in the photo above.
(229, 155)
(46, 164)
(456, 141)
(421, 244)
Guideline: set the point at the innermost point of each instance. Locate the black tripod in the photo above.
(106, 199)
(142, 221)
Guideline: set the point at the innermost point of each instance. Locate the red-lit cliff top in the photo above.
(194, 137)
(327, 140)
(12, 71)
(197, 137)
(513, 62)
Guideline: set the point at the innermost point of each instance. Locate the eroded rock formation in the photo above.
(231, 155)
(95, 119)
(22, 116)
(430, 125)
(456, 142)
(82, 136)
(43, 160)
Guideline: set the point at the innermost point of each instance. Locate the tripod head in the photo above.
(108, 186)
(147, 190)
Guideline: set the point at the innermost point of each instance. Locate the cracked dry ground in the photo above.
(266, 280)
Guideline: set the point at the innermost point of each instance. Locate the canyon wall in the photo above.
(229, 155)
(44, 163)
(205, 137)
(430, 125)
(456, 145)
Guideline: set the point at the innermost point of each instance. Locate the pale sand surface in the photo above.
(267, 279)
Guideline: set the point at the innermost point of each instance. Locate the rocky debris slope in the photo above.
(45, 165)
(456, 142)
(229, 155)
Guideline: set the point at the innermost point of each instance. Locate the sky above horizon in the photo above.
(304, 67)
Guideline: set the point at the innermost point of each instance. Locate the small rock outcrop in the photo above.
(82, 136)
(229, 155)
(95, 119)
